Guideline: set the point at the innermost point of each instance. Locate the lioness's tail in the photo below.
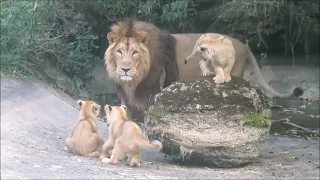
(155, 145)
(296, 92)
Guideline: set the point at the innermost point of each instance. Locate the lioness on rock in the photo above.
(125, 137)
(142, 59)
(229, 54)
(85, 139)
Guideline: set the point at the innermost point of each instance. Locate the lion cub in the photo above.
(85, 140)
(217, 49)
(125, 137)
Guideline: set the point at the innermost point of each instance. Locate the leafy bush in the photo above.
(165, 11)
(252, 20)
(30, 30)
(20, 32)
(292, 20)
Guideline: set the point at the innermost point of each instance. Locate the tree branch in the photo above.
(287, 122)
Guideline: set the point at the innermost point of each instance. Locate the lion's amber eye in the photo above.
(134, 52)
(119, 52)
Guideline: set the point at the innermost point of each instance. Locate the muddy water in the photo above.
(300, 112)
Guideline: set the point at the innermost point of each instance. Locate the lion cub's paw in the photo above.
(227, 79)
(218, 79)
(106, 161)
(102, 156)
(135, 164)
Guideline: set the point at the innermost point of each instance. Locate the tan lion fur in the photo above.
(85, 139)
(185, 46)
(151, 68)
(219, 51)
(161, 60)
(125, 137)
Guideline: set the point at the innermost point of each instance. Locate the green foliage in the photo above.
(256, 120)
(79, 61)
(259, 19)
(21, 32)
(172, 10)
(254, 21)
(29, 30)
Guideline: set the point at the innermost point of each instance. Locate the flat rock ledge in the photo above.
(203, 123)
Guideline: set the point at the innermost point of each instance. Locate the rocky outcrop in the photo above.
(204, 123)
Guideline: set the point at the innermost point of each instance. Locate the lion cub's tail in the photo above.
(154, 145)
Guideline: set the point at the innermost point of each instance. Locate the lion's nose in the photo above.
(125, 70)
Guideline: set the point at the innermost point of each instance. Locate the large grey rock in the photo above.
(205, 123)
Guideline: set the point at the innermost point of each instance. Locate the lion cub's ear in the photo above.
(96, 108)
(112, 37)
(80, 102)
(107, 108)
(124, 107)
(142, 36)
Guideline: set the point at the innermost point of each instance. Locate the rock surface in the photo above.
(204, 123)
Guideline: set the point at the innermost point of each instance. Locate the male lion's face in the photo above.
(127, 58)
(127, 55)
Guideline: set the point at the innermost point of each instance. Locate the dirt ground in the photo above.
(35, 120)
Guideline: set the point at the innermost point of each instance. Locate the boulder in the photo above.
(204, 123)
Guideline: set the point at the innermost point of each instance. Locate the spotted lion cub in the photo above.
(85, 139)
(125, 137)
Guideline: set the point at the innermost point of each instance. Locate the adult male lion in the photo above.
(141, 59)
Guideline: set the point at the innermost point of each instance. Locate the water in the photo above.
(300, 112)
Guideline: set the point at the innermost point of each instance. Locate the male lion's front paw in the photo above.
(208, 73)
(227, 79)
(218, 79)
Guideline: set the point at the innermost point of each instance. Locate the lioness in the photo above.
(219, 51)
(85, 139)
(125, 137)
(141, 57)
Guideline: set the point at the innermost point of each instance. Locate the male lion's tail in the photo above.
(296, 92)
(154, 145)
